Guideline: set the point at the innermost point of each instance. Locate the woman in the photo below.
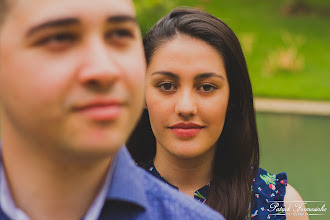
(198, 132)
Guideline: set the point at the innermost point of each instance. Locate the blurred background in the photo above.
(286, 44)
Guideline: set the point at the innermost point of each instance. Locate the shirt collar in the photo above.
(127, 182)
(97, 205)
(124, 182)
(7, 204)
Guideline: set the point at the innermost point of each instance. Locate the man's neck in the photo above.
(46, 189)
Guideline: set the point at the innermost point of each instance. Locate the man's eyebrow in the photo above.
(166, 73)
(52, 23)
(73, 21)
(208, 75)
(121, 18)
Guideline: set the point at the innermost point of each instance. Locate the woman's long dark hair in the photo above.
(237, 154)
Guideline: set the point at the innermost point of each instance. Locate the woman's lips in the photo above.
(186, 130)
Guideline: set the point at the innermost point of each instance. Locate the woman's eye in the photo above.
(207, 88)
(166, 86)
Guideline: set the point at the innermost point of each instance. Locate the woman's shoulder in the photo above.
(266, 183)
(269, 191)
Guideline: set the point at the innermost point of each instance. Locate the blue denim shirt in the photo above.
(135, 194)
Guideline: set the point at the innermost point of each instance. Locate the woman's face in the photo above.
(187, 94)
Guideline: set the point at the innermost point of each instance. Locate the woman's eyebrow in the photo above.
(208, 75)
(166, 73)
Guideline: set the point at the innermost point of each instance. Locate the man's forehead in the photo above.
(73, 6)
(29, 13)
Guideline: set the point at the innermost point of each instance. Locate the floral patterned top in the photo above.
(268, 189)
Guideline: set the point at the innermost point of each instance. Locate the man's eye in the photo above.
(166, 86)
(207, 88)
(119, 34)
(56, 39)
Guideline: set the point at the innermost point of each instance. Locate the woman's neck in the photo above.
(188, 175)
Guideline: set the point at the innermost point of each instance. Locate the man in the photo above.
(71, 91)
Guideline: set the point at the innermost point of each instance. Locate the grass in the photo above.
(266, 26)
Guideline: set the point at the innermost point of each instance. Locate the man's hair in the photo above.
(3, 10)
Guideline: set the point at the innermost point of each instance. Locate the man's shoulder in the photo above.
(176, 204)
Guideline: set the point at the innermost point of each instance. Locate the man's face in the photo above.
(71, 74)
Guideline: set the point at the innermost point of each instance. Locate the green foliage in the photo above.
(150, 11)
(294, 45)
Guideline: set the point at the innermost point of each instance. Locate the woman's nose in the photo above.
(186, 104)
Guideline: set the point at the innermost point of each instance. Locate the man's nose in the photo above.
(186, 105)
(100, 66)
